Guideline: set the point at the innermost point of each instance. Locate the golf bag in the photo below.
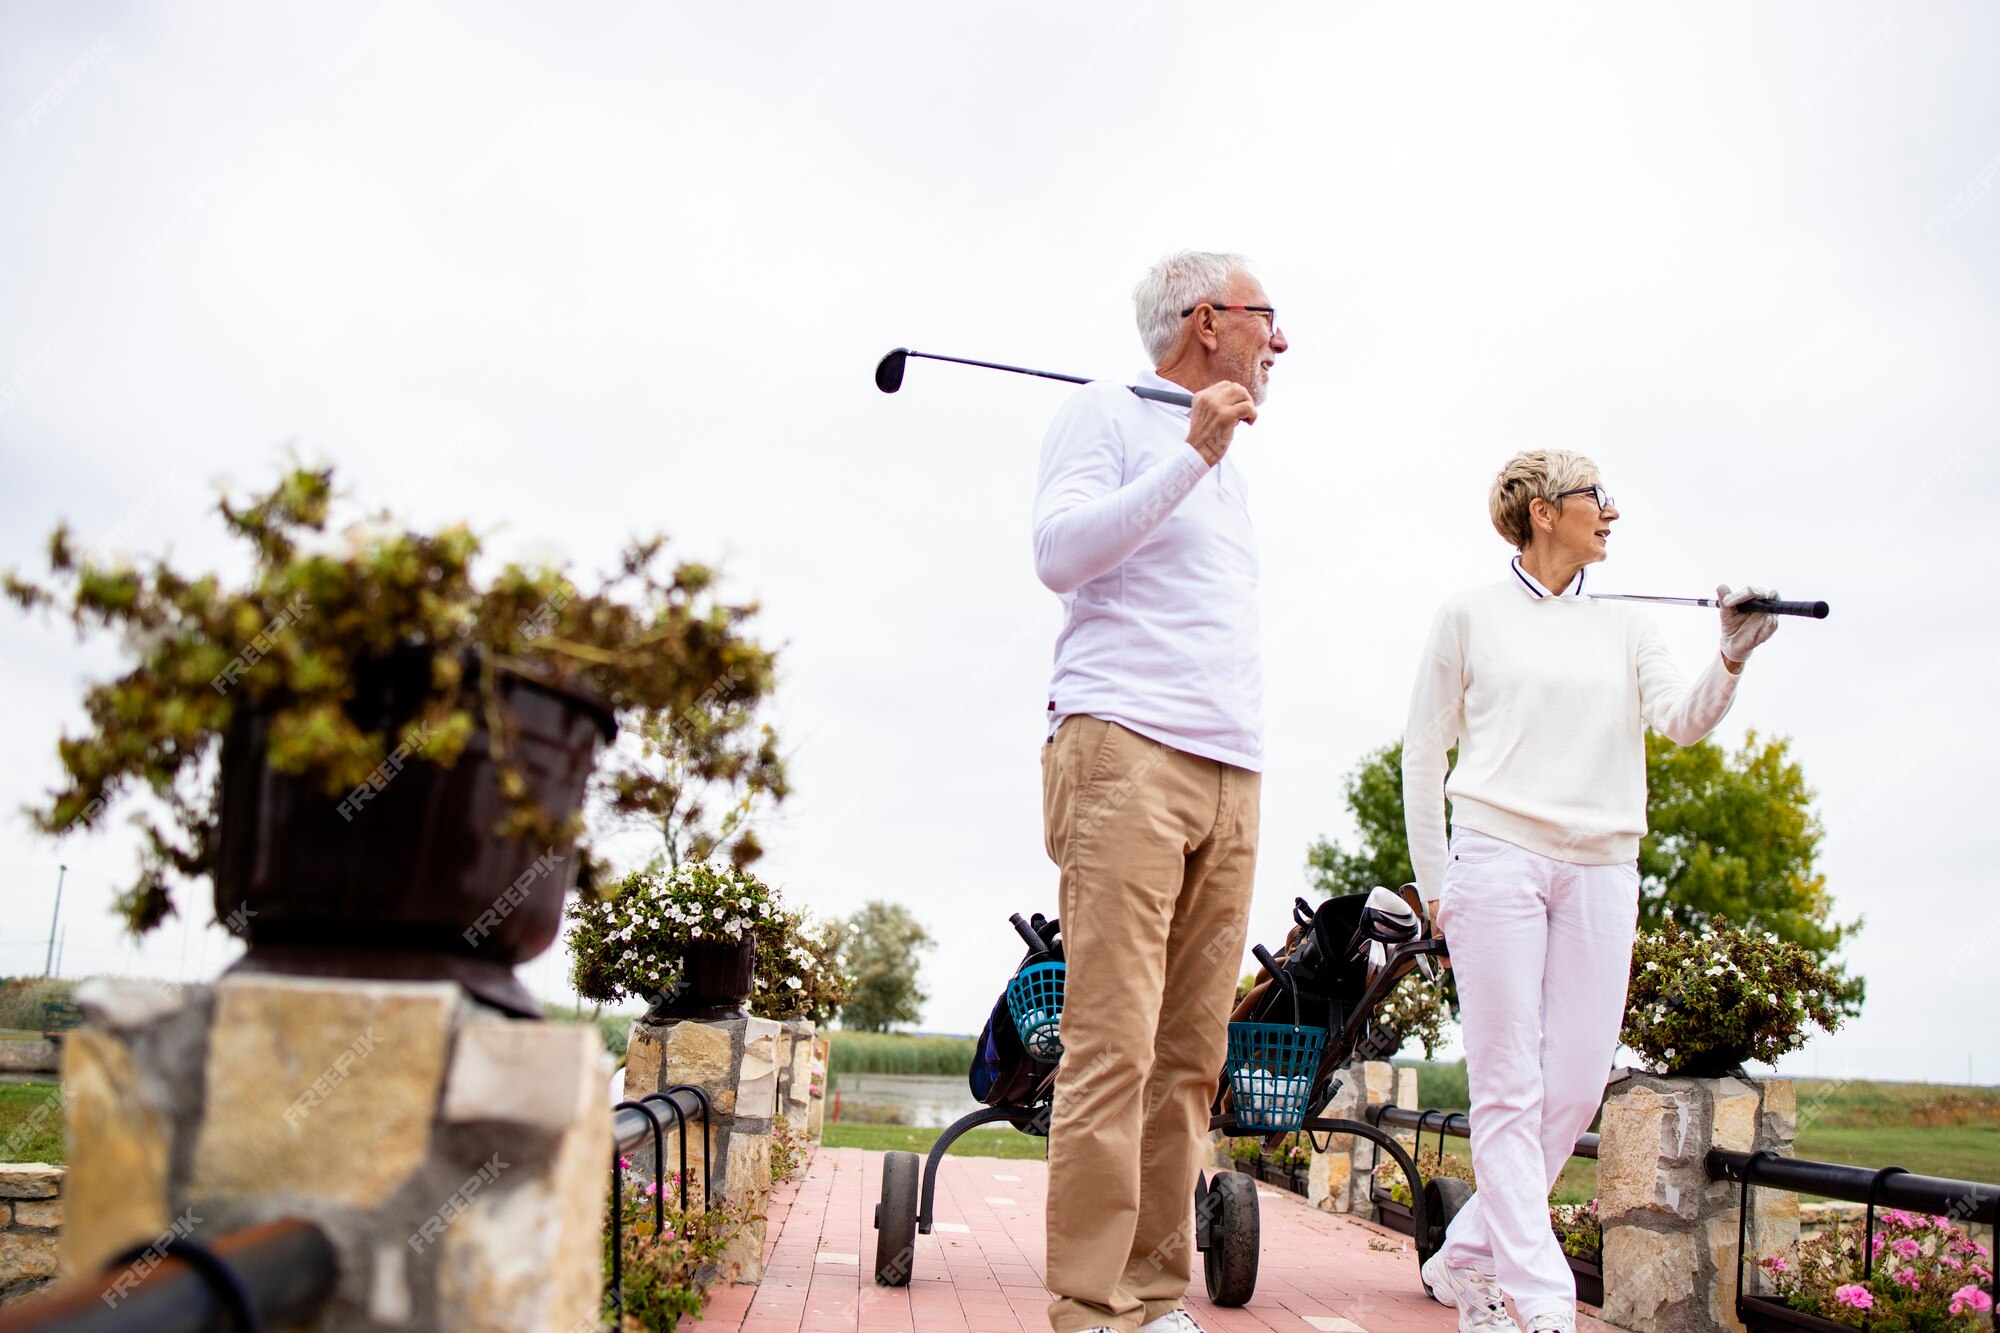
(1003, 1073)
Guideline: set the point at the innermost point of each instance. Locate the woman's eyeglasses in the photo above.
(1598, 494)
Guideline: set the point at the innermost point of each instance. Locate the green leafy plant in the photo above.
(628, 943)
(1416, 1010)
(665, 1275)
(1578, 1230)
(322, 609)
(1245, 1150)
(1432, 1163)
(1929, 1276)
(1722, 994)
(790, 1151)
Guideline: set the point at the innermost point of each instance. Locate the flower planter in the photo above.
(1396, 1216)
(715, 982)
(411, 882)
(1768, 1314)
(1589, 1279)
(1712, 1064)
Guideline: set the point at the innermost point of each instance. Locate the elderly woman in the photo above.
(1546, 693)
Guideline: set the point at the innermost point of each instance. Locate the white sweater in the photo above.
(1151, 551)
(1547, 698)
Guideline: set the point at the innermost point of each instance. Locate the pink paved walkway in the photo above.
(980, 1271)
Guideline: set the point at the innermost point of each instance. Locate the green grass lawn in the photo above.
(29, 1133)
(986, 1141)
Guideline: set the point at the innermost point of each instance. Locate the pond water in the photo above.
(926, 1100)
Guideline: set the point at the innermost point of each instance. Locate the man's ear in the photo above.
(1202, 324)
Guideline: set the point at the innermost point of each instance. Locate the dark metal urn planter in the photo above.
(406, 877)
(715, 983)
(1713, 1064)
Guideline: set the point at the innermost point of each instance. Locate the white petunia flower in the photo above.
(695, 931)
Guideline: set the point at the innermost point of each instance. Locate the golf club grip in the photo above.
(1163, 395)
(1765, 606)
(1027, 933)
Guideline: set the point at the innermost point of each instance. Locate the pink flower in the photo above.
(1906, 1247)
(1897, 1217)
(1949, 1262)
(1879, 1241)
(1776, 1264)
(1854, 1294)
(1970, 1297)
(1908, 1277)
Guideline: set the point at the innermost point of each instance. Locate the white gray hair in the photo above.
(1184, 278)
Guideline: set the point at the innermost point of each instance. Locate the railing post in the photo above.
(1670, 1230)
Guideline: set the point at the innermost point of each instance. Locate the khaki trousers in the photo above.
(1157, 849)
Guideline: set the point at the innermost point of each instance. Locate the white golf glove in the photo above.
(1742, 631)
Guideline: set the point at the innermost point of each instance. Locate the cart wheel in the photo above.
(1229, 1262)
(896, 1219)
(1444, 1196)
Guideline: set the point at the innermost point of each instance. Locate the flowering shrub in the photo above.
(666, 1277)
(1433, 1163)
(1929, 1277)
(1577, 1229)
(789, 1151)
(630, 942)
(1722, 996)
(1416, 1009)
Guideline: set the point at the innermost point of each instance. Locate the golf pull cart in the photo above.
(1337, 965)
(1013, 1079)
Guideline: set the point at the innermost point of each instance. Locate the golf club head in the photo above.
(889, 370)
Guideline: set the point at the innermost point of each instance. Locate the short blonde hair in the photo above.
(1529, 475)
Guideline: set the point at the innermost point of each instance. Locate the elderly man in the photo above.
(1150, 782)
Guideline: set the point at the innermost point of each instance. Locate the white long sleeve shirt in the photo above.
(1547, 699)
(1152, 553)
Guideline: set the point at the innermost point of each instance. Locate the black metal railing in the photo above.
(279, 1273)
(633, 1123)
(270, 1275)
(1457, 1124)
(1890, 1186)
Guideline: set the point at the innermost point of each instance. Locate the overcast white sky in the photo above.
(582, 273)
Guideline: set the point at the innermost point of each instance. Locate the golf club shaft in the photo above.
(1156, 395)
(1762, 605)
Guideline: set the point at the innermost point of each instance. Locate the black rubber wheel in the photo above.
(1229, 1263)
(896, 1219)
(1443, 1197)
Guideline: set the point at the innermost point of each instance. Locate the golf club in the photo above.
(1765, 606)
(889, 375)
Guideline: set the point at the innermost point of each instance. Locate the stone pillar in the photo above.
(1338, 1180)
(457, 1159)
(795, 1075)
(1670, 1231)
(30, 1215)
(735, 1062)
(822, 1049)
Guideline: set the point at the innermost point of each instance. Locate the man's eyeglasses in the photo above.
(1270, 313)
(1598, 494)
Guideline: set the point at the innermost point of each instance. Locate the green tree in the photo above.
(1732, 835)
(882, 950)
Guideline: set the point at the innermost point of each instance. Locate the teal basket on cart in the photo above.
(1035, 999)
(1271, 1068)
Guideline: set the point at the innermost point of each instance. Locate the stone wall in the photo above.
(1670, 1231)
(30, 1216)
(29, 1055)
(456, 1158)
(1338, 1180)
(752, 1070)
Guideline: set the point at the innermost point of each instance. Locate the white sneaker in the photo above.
(1180, 1321)
(1556, 1321)
(1477, 1297)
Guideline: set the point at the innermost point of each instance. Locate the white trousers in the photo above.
(1542, 949)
